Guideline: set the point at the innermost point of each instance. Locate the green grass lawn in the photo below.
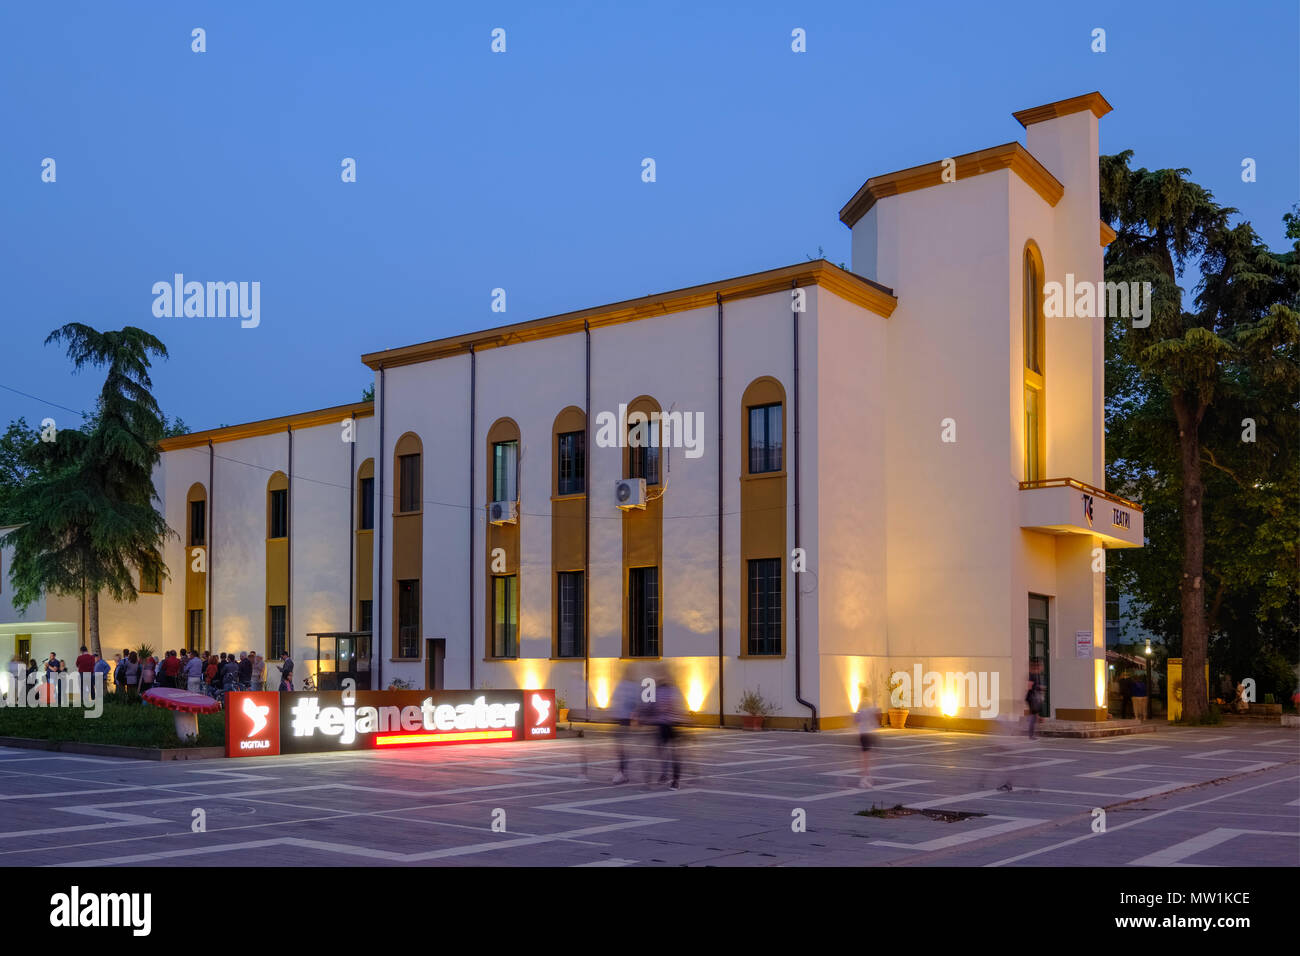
(130, 725)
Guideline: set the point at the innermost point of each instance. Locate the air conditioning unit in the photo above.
(504, 512)
(630, 493)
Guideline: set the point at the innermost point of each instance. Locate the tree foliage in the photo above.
(1203, 427)
(84, 502)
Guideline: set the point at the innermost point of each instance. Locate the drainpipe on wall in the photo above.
(288, 562)
(352, 521)
(586, 534)
(721, 695)
(473, 374)
(211, 540)
(377, 616)
(798, 470)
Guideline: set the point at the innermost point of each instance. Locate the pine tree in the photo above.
(86, 500)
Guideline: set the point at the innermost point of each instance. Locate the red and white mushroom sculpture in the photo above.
(185, 706)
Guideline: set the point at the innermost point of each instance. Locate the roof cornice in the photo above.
(1010, 156)
(847, 285)
(269, 426)
(1093, 101)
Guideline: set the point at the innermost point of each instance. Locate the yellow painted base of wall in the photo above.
(1092, 714)
(970, 725)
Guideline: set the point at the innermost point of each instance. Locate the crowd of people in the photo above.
(130, 675)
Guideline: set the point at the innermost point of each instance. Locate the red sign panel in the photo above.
(269, 723)
(253, 724)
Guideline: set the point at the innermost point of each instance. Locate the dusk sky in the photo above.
(522, 170)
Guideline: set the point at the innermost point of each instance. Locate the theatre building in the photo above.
(793, 482)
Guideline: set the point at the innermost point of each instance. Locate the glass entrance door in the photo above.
(1040, 647)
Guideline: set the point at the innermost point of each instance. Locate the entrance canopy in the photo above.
(342, 654)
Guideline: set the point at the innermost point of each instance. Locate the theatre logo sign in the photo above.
(267, 723)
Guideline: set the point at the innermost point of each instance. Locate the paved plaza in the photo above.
(1181, 796)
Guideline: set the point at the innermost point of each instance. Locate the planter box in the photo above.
(114, 750)
(751, 721)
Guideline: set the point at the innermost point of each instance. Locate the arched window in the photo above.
(569, 532)
(642, 440)
(277, 506)
(408, 470)
(503, 441)
(366, 495)
(408, 547)
(196, 516)
(763, 518)
(1033, 343)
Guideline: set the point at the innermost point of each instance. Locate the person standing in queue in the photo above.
(85, 665)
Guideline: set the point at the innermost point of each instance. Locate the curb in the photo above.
(114, 750)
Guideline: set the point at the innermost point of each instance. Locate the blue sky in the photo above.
(522, 170)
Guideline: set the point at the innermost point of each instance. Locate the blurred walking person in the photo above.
(867, 719)
(623, 709)
(666, 713)
(1034, 697)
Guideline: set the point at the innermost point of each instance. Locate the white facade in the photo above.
(920, 542)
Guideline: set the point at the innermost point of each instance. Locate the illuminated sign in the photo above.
(267, 723)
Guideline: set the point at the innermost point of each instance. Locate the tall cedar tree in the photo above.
(86, 500)
(1218, 490)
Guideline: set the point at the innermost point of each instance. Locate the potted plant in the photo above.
(562, 708)
(897, 715)
(754, 707)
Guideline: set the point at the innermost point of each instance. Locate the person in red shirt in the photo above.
(86, 672)
(171, 666)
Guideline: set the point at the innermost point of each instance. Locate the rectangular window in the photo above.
(367, 493)
(572, 463)
(505, 457)
(505, 616)
(279, 514)
(195, 641)
(408, 618)
(764, 439)
(277, 644)
(150, 580)
(408, 483)
(643, 612)
(198, 523)
(1033, 452)
(569, 626)
(765, 606)
(365, 615)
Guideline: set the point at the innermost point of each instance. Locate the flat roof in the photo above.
(848, 285)
(269, 426)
